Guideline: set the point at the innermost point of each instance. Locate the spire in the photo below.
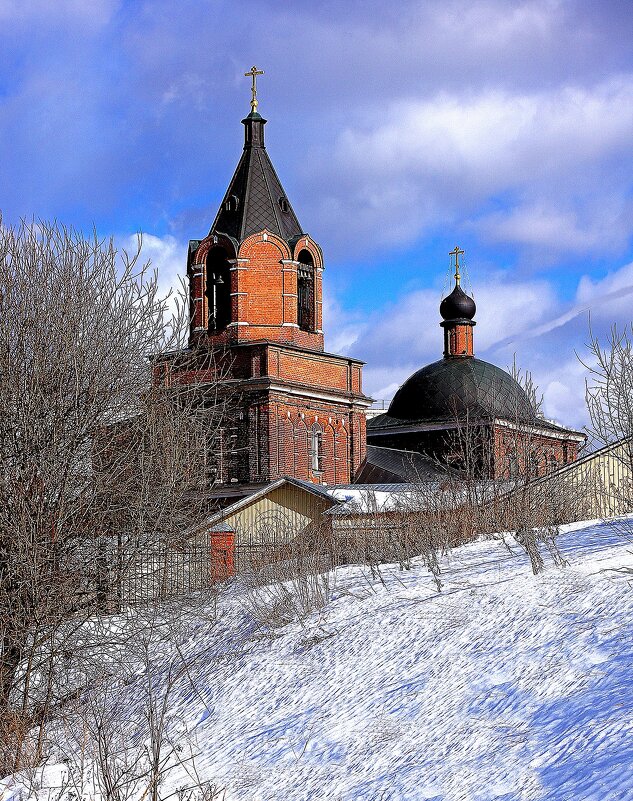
(457, 311)
(255, 199)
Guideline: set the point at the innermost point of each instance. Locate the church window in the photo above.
(512, 463)
(231, 203)
(284, 205)
(316, 449)
(218, 289)
(305, 291)
(535, 463)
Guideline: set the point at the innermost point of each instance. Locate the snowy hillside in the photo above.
(503, 686)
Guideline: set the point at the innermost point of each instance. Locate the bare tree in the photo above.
(101, 458)
(525, 379)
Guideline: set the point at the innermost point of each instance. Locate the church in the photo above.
(462, 403)
(256, 337)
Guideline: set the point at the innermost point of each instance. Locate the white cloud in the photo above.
(610, 297)
(341, 330)
(547, 154)
(497, 139)
(168, 257)
(493, 27)
(563, 391)
(546, 227)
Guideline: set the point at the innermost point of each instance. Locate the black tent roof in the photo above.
(255, 199)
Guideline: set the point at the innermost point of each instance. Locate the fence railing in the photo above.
(133, 576)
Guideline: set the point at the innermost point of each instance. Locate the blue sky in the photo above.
(398, 130)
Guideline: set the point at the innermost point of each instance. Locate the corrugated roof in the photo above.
(385, 465)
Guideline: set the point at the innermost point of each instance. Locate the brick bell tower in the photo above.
(256, 304)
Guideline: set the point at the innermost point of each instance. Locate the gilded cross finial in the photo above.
(253, 73)
(457, 253)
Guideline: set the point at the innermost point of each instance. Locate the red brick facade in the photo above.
(458, 340)
(526, 451)
(263, 290)
(290, 411)
(496, 449)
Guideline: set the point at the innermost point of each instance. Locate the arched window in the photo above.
(512, 463)
(218, 289)
(305, 291)
(535, 463)
(316, 449)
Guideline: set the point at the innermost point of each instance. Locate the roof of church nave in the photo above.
(255, 200)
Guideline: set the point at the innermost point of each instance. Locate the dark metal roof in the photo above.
(384, 424)
(451, 388)
(315, 489)
(393, 466)
(255, 199)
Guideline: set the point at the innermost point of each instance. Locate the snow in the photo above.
(366, 498)
(503, 686)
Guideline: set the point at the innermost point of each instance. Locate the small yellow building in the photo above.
(598, 485)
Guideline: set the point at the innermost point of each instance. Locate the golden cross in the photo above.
(457, 253)
(254, 72)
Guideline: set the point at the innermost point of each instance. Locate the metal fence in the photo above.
(136, 576)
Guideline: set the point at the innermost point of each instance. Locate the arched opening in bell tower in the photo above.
(218, 290)
(305, 291)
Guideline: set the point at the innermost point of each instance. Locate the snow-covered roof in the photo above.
(359, 499)
(370, 498)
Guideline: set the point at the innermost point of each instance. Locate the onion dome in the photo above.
(452, 388)
(458, 305)
(459, 385)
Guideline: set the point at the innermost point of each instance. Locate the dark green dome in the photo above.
(454, 387)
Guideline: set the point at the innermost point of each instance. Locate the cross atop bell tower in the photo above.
(457, 253)
(253, 73)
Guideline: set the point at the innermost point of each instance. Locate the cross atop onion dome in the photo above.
(458, 305)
